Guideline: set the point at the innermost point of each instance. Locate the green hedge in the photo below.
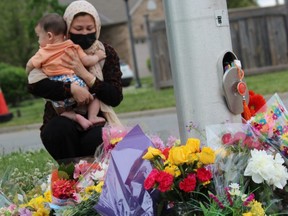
(13, 82)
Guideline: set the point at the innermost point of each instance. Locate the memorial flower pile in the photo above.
(240, 170)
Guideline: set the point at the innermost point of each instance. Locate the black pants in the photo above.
(63, 139)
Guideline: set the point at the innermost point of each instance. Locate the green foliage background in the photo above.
(17, 20)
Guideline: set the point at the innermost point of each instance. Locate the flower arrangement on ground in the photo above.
(67, 189)
(179, 171)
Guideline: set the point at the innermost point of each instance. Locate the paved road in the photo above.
(161, 122)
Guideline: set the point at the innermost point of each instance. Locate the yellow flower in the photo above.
(41, 212)
(192, 158)
(206, 156)
(153, 152)
(48, 195)
(114, 141)
(178, 155)
(193, 144)
(37, 203)
(173, 170)
(247, 214)
(256, 208)
(99, 186)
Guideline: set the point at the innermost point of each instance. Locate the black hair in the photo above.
(54, 23)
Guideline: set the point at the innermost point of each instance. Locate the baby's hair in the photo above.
(54, 23)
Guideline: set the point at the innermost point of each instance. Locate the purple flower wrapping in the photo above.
(123, 192)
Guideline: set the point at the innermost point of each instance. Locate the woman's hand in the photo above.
(72, 61)
(80, 94)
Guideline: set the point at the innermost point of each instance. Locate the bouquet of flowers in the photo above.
(180, 171)
(243, 157)
(111, 136)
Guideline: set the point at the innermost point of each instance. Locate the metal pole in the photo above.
(196, 41)
(152, 56)
(138, 82)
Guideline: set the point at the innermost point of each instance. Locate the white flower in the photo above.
(234, 186)
(263, 167)
(98, 175)
(234, 189)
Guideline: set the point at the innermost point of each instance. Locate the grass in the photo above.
(147, 98)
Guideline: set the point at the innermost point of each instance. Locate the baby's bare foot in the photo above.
(96, 120)
(85, 123)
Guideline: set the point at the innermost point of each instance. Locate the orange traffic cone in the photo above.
(5, 115)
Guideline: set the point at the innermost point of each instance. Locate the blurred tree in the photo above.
(241, 3)
(17, 20)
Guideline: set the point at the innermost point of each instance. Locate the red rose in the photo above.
(188, 184)
(204, 175)
(165, 181)
(151, 179)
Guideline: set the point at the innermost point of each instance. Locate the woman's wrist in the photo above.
(92, 81)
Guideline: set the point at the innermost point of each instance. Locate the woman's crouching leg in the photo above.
(61, 138)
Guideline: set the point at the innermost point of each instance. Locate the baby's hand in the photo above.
(101, 54)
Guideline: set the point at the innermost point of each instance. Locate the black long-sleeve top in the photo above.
(108, 91)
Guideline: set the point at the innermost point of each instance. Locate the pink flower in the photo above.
(189, 183)
(158, 143)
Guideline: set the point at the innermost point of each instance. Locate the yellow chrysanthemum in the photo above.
(247, 214)
(90, 189)
(206, 156)
(178, 155)
(193, 144)
(153, 152)
(37, 202)
(256, 208)
(173, 170)
(48, 196)
(99, 187)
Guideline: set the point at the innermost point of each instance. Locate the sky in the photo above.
(264, 3)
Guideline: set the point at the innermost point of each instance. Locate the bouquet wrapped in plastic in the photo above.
(111, 136)
(270, 124)
(123, 192)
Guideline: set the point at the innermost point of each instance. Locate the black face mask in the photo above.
(84, 41)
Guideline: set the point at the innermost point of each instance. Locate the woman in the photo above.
(61, 136)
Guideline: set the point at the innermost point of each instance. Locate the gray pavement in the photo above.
(161, 122)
